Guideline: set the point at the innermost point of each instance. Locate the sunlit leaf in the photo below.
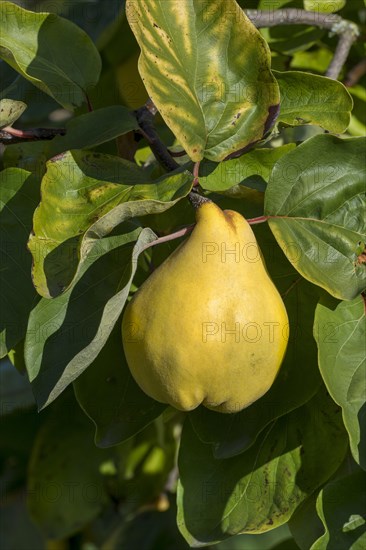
(315, 202)
(10, 111)
(341, 336)
(324, 5)
(78, 189)
(214, 108)
(250, 170)
(312, 99)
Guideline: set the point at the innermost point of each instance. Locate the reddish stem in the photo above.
(18, 133)
(196, 168)
(260, 219)
(171, 237)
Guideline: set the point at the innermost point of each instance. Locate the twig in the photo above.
(177, 153)
(347, 30)
(9, 135)
(293, 16)
(293, 284)
(354, 75)
(145, 117)
(340, 56)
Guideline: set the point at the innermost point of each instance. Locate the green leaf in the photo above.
(340, 333)
(324, 5)
(289, 39)
(357, 126)
(341, 507)
(16, 357)
(15, 390)
(94, 128)
(312, 99)
(315, 202)
(65, 487)
(305, 525)
(150, 529)
(30, 156)
(298, 378)
(26, 535)
(214, 108)
(259, 489)
(19, 195)
(316, 60)
(51, 52)
(250, 170)
(78, 189)
(109, 395)
(10, 111)
(65, 334)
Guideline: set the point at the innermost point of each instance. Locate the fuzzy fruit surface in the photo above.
(208, 326)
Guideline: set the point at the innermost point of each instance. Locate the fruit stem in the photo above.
(171, 237)
(197, 200)
(260, 219)
(196, 168)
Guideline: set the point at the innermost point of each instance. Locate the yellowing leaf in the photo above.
(207, 69)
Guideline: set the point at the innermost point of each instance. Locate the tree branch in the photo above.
(145, 119)
(9, 135)
(347, 30)
(354, 75)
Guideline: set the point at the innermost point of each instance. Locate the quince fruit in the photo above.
(208, 326)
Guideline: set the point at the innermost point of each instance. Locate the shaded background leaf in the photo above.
(61, 496)
(19, 195)
(259, 489)
(67, 333)
(15, 390)
(341, 507)
(94, 128)
(109, 395)
(53, 53)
